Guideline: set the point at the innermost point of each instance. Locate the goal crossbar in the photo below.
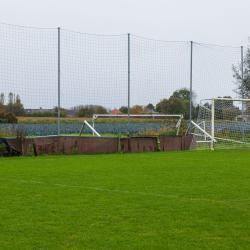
(227, 99)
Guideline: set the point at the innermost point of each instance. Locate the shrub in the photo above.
(12, 118)
(7, 117)
(3, 121)
(62, 114)
(2, 149)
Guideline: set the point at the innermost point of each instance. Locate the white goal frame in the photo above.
(95, 116)
(213, 115)
(212, 139)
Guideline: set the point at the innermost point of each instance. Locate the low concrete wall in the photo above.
(90, 145)
(186, 142)
(175, 143)
(66, 145)
(139, 144)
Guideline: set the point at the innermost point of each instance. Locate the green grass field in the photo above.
(165, 200)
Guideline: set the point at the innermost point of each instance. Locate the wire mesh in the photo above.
(212, 71)
(94, 74)
(158, 69)
(28, 67)
(93, 70)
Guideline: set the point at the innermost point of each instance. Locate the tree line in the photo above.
(14, 106)
(178, 103)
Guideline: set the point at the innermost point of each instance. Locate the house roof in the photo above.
(115, 112)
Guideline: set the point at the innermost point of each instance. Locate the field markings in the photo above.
(132, 192)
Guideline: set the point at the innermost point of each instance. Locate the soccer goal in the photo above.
(154, 116)
(222, 123)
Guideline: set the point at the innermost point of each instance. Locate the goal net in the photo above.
(222, 123)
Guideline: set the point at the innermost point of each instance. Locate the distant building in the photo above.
(239, 118)
(31, 110)
(149, 112)
(115, 112)
(71, 113)
(38, 110)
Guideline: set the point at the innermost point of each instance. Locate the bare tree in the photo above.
(245, 91)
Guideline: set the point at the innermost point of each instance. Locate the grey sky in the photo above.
(220, 22)
(94, 68)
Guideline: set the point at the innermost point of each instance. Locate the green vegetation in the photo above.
(4, 133)
(7, 117)
(124, 109)
(2, 149)
(166, 200)
(179, 103)
(89, 110)
(89, 120)
(14, 105)
(104, 135)
(41, 114)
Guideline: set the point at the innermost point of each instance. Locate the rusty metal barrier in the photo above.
(90, 145)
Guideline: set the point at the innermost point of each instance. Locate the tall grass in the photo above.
(7, 132)
(169, 128)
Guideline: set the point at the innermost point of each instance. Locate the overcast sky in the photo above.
(219, 22)
(94, 68)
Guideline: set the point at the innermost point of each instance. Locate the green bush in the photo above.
(2, 149)
(169, 133)
(4, 121)
(7, 117)
(62, 114)
(40, 114)
(12, 118)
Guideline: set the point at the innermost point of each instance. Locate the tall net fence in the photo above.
(28, 67)
(93, 70)
(158, 69)
(212, 71)
(105, 74)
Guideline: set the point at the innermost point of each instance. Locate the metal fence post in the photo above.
(212, 126)
(242, 96)
(58, 131)
(128, 84)
(191, 83)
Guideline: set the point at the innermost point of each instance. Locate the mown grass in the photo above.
(166, 200)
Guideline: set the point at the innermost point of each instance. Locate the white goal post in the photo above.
(223, 122)
(95, 116)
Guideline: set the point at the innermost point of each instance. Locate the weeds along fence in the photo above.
(48, 68)
(102, 128)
